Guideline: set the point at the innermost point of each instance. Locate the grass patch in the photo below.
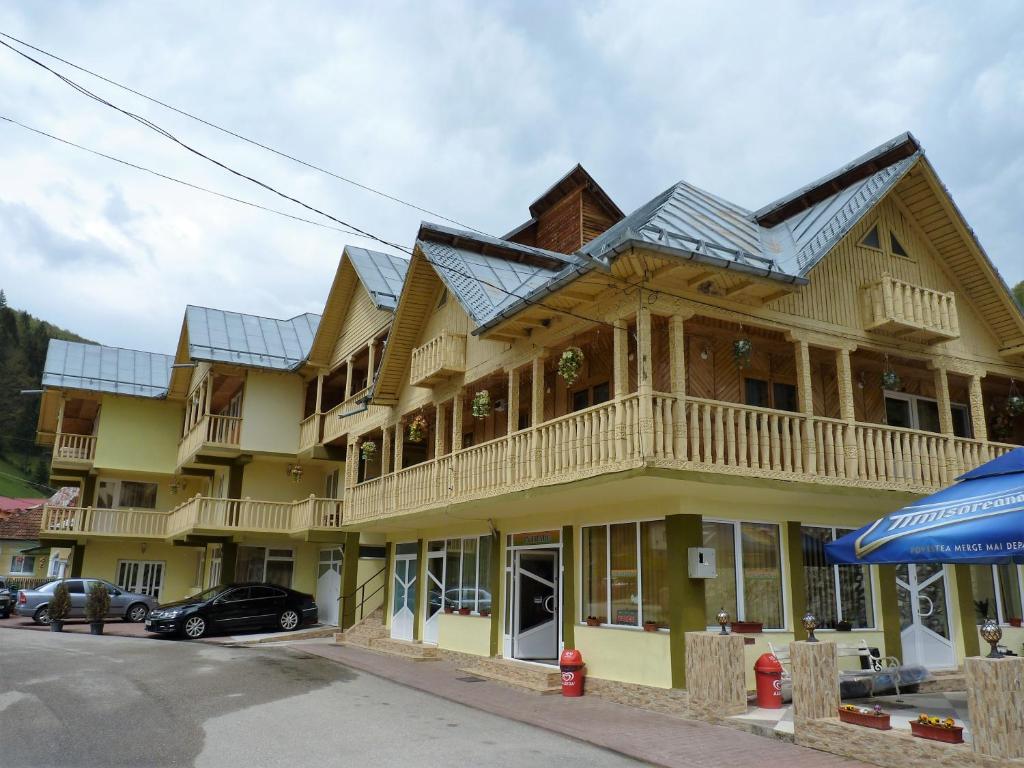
(16, 486)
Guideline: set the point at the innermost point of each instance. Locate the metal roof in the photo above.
(73, 365)
(263, 342)
(381, 273)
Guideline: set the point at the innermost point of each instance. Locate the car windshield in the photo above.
(209, 593)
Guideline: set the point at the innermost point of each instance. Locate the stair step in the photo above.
(405, 649)
(537, 677)
(500, 676)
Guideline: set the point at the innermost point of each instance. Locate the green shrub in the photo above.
(97, 602)
(60, 604)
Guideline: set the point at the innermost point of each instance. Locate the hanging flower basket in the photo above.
(368, 450)
(570, 364)
(742, 349)
(1001, 427)
(891, 379)
(1015, 405)
(417, 428)
(481, 405)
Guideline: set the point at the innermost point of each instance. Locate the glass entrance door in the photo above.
(924, 616)
(328, 584)
(403, 604)
(435, 595)
(536, 610)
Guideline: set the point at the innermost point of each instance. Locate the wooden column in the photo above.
(348, 377)
(978, 423)
(319, 392)
(458, 404)
(513, 400)
(620, 379)
(60, 416)
(497, 588)
(399, 443)
(372, 354)
(439, 430)
(352, 462)
(568, 587)
(677, 374)
(644, 379)
(942, 400)
(385, 451)
(536, 416)
(844, 382)
(349, 581)
(805, 397)
(421, 590)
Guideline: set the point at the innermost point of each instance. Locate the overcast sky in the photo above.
(468, 109)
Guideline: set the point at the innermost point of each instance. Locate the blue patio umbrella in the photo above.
(978, 520)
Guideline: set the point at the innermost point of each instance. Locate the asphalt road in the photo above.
(77, 700)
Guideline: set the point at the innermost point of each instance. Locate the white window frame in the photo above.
(915, 421)
(741, 598)
(23, 572)
(216, 559)
(1001, 616)
(116, 497)
(608, 564)
(475, 611)
(835, 580)
(138, 587)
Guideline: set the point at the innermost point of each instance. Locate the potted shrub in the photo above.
(570, 364)
(59, 607)
(869, 718)
(650, 626)
(593, 621)
(937, 729)
(97, 605)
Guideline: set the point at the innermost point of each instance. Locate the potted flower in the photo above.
(485, 612)
(464, 611)
(844, 626)
(570, 364)
(937, 729)
(748, 627)
(59, 607)
(481, 405)
(97, 606)
(448, 607)
(869, 718)
(417, 428)
(1014, 621)
(593, 621)
(742, 349)
(650, 626)
(368, 450)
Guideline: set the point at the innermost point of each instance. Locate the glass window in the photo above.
(897, 247)
(21, 564)
(996, 592)
(871, 239)
(897, 412)
(784, 396)
(602, 393)
(615, 589)
(928, 415)
(961, 421)
(467, 572)
(751, 589)
(115, 494)
(756, 392)
(853, 602)
(580, 400)
(76, 587)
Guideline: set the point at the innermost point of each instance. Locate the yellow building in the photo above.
(600, 430)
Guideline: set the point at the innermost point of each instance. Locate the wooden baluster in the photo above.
(796, 442)
(787, 453)
(719, 440)
(773, 428)
(730, 436)
(694, 431)
(741, 438)
(754, 438)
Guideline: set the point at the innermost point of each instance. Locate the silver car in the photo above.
(128, 606)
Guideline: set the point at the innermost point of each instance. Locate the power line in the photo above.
(239, 136)
(176, 180)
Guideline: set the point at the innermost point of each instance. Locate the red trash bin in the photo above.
(768, 672)
(573, 672)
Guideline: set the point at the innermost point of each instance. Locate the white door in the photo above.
(328, 584)
(536, 615)
(144, 577)
(403, 604)
(924, 616)
(435, 595)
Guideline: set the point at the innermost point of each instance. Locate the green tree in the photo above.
(3, 299)
(1018, 294)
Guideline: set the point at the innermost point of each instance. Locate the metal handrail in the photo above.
(358, 609)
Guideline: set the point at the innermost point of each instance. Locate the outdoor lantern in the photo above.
(810, 623)
(992, 633)
(723, 618)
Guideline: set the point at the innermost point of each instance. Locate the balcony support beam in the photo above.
(372, 358)
(620, 374)
(458, 403)
(319, 393)
(805, 397)
(978, 423)
(943, 401)
(439, 430)
(844, 383)
(385, 451)
(399, 443)
(677, 374)
(536, 414)
(513, 401)
(348, 376)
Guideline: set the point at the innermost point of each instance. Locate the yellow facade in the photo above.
(137, 435)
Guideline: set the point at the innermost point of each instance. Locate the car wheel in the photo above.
(137, 612)
(42, 615)
(195, 627)
(5, 615)
(289, 620)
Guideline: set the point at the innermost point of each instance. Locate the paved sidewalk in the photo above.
(79, 626)
(647, 736)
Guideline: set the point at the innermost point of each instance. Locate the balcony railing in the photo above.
(309, 431)
(199, 513)
(441, 357)
(212, 431)
(337, 423)
(692, 434)
(74, 449)
(897, 308)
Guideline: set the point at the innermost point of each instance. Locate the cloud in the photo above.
(470, 110)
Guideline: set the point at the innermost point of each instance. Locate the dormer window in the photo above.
(871, 239)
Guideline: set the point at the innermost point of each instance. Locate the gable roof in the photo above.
(215, 335)
(577, 177)
(75, 365)
(381, 274)
(23, 524)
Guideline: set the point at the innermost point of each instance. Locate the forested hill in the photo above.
(23, 340)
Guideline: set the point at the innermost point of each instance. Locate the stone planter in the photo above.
(954, 735)
(878, 722)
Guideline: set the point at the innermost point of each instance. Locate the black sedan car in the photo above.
(234, 607)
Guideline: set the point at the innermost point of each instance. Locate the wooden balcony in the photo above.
(439, 358)
(358, 419)
(309, 431)
(307, 518)
(688, 434)
(221, 434)
(73, 451)
(896, 308)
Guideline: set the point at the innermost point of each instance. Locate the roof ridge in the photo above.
(108, 346)
(249, 314)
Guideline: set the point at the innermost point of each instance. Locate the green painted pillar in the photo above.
(797, 579)
(421, 589)
(686, 596)
(228, 562)
(349, 581)
(568, 587)
(889, 601)
(496, 589)
(77, 559)
(389, 560)
(965, 610)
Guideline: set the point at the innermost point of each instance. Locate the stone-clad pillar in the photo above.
(815, 670)
(715, 675)
(995, 700)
